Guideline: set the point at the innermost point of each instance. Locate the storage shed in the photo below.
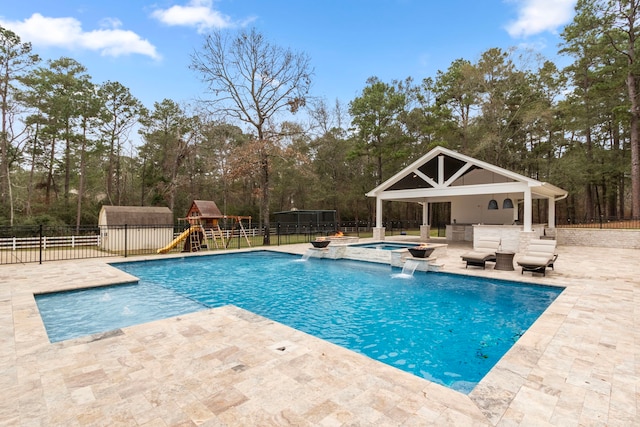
(134, 227)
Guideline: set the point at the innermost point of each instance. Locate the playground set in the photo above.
(204, 231)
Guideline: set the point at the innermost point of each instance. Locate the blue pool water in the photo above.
(385, 246)
(78, 313)
(447, 328)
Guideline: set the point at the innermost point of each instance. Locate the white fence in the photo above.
(16, 243)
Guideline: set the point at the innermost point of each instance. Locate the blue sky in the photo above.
(146, 45)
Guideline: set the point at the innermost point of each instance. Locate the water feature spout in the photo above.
(409, 267)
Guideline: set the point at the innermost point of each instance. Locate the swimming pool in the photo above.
(447, 328)
(78, 313)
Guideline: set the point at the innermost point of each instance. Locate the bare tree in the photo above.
(252, 81)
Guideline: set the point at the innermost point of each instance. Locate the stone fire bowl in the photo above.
(320, 243)
(421, 252)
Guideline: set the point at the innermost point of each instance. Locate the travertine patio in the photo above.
(578, 365)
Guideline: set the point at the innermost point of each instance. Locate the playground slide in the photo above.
(175, 242)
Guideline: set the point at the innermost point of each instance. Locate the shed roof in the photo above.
(135, 215)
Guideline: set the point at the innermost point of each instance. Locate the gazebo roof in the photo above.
(442, 174)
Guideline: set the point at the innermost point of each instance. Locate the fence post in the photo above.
(125, 240)
(40, 241)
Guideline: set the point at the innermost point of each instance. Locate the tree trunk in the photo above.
(118, 175)
(81, 180)
(588, 199)
(4, 139)
(264, 167)
(144, 168)
(52, 158)
(10, 195)
(621, 185)
(67, 165)
(635, 145)
(110, 169)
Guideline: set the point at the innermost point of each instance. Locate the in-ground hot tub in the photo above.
(384, 252)
(343, 240)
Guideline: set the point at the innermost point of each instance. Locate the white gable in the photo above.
(443, 173)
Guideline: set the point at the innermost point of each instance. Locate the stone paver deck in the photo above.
(578, 365)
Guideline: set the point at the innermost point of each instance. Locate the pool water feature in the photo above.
(410, 267)
(384, 246)
(447, 328)
(385, 252)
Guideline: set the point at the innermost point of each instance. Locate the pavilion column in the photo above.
(552, 213)
(528, 206)
(378, 231)
(425, 214)
(425, 227)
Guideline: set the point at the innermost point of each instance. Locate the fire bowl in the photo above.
(320, 243)
(420, 252)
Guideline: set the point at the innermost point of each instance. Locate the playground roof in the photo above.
(204, 209)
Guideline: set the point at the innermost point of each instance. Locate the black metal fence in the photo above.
(600, 222)
(392, 227)
(288, 233)
(29, 244)
(40, 243)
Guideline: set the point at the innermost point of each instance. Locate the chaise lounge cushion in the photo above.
(540, 254)
(485, 250)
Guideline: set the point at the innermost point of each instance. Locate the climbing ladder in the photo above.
(194, 239)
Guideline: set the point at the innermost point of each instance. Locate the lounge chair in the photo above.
(484, 250)
(540, 254)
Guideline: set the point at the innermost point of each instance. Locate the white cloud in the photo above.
(538, 16)
(197, 13)
(67, 33)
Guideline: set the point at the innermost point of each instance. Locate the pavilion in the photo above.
(481, 195)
